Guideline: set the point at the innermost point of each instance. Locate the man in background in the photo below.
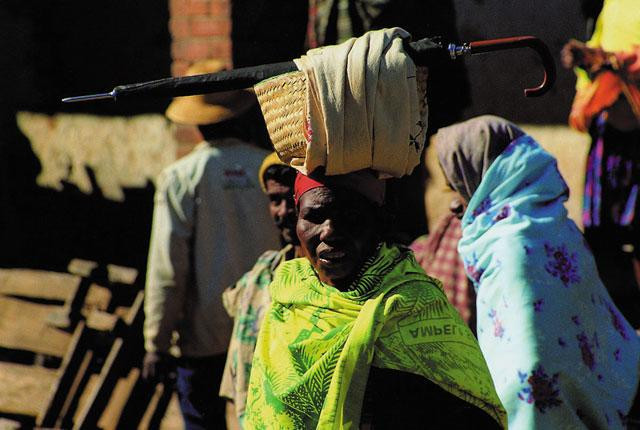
(248, 299)
(208, 229)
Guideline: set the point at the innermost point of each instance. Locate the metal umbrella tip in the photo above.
(89, 97)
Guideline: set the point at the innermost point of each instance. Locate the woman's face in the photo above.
(337, 231)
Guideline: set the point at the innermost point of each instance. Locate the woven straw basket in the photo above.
(283, 103)
(283, 100)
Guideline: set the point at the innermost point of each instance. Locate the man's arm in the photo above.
(169, 264)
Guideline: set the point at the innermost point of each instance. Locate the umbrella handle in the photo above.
(482, 46)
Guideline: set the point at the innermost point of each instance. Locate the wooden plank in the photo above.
(172, 419)
(115, 273)
(138, 401)
(121, 274)
(112, 413)
(38, 284)
(81, 267)
(157, 409)
(98, 298)
(102, 321)
(72, 369)
(24, 388)
(80, 381)
(99, 397)
(7, 424)
(87, 299)
(23, 325)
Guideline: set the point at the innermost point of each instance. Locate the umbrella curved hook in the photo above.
(532, 42)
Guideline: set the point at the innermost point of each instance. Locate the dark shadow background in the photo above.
(55, 49)
(59, 48)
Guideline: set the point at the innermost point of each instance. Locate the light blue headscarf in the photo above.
(559, 351)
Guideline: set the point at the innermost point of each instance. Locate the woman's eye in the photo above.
(314, 217)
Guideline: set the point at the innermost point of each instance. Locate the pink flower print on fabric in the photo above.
(504, 213)
(473, 270)
(541, 390)
(586, 349)
(561, 264)
(498, 329)
(483, 207)
(308, 130)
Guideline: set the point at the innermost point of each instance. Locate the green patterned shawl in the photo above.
(316, 344)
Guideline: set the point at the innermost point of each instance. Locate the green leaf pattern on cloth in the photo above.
(317, 344)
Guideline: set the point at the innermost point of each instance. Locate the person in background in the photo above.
(437, 254)
(560, 352)
(248, 299)
(207, 231)
(607, 105)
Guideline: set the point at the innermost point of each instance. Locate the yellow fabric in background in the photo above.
(617, 29)
(317, 344)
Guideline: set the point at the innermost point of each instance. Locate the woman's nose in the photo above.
(281, 209)
(329, 231)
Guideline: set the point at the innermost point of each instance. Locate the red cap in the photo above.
(363, 182)
(303, 184)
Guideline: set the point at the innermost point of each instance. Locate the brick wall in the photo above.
(200, 29)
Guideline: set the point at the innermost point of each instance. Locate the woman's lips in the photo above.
(331, 257)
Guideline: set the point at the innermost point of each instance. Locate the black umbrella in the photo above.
(424, 52)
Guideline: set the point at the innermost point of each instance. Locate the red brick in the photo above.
(198, 7)
(190, 50)
(178, 7)
(220, 8)
(206, 26)
(179, 68)
(179, 27)
(221, 49)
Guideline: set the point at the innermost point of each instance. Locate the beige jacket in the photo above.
(210, 224)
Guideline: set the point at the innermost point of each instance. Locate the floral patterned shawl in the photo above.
(560, 353)
(317, 344)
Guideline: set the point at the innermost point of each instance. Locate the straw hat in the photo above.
(209, 108)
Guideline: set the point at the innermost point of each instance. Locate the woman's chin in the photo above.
(335, 272)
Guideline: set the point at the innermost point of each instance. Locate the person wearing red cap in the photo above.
(357, 333)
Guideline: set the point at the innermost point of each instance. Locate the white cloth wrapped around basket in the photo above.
(358, 105)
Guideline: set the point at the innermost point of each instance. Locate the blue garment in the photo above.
(197, 384)
(559, 351)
